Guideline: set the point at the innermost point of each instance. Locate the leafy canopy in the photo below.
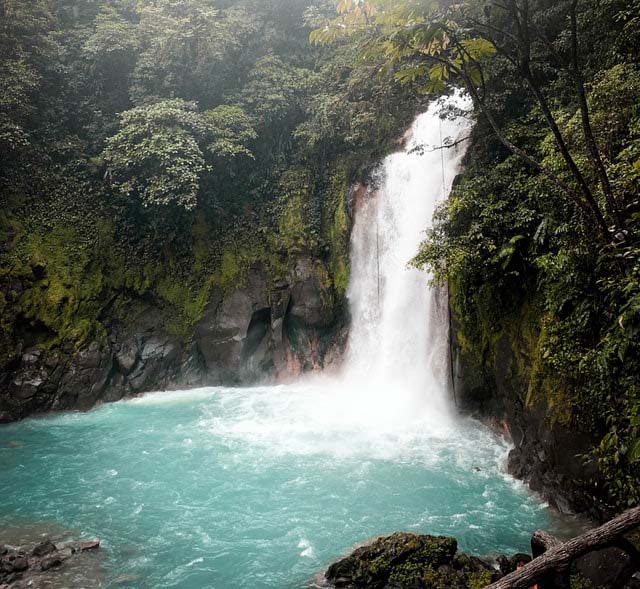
(25, 54)
(417, 39)
(160, 151)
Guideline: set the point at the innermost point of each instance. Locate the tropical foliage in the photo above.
(152, 148)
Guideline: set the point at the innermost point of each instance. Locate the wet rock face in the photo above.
(549, 458)
(311, 302)
(264, 330)
(267, 330)
(223, 330)
(405, 560)
(547, 455)
(134, 359)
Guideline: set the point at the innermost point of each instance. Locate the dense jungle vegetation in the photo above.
(539, 240)
(153, 148)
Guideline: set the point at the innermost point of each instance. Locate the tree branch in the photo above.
(443, 146)
(592, 146)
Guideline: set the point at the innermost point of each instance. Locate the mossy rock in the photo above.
(392, 559)
(403, 560)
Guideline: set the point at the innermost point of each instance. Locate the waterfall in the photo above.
(398, 344)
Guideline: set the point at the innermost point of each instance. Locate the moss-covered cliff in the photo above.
(545, 317)
(88, 315)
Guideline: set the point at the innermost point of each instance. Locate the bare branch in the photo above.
(422, 148)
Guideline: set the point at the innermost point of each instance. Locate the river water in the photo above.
(265, 486)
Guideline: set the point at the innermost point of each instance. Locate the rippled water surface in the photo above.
(258, 487)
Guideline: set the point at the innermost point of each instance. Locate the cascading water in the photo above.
(399, 332)
(264, 486)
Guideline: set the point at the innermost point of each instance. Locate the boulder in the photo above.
(410, 560)
(52, 561)
(13, 561)
(89, 545)
(44, 547)
(606, 568)
(24, 565)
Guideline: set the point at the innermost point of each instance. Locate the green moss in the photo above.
(296, 225)
(409, 573)
(579, 582)
(233, 266)
(292, 225)
(231, 270)
(188, 302)
(65, 283)
(186, 285)
(479, 580)
(337, 229)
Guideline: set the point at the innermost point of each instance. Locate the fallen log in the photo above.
(541, 542)
(560, 555)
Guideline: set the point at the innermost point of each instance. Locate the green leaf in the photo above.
(634, 451)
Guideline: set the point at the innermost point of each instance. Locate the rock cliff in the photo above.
(499, 387)
(266, 330)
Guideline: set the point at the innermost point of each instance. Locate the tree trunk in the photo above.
(560, 555)
(541, 542)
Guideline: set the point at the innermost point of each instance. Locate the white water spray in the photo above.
(398, 345)
(390, 402)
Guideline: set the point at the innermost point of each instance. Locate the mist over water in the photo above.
(265, 486)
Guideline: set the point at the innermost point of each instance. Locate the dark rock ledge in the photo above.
(19, 566)
(413, 561)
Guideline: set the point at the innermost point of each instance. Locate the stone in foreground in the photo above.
(22, 566)
(413, 561)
